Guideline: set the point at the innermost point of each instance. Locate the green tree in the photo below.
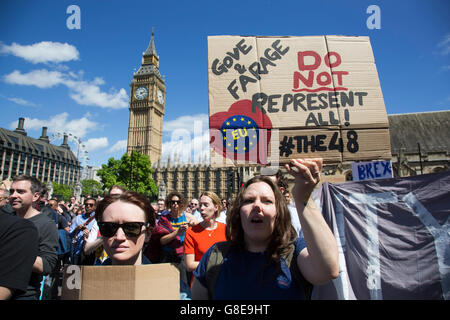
(62, 191)
(91, 187)
(131, 172)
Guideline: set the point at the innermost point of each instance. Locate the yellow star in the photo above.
(229, 144)
(251, 143)
(224, 138)
(224, 130)
(234, 119)
(235, 148)
(228, 123)
(254, 136)
(245, 148)
(249, 122)
(242, 119)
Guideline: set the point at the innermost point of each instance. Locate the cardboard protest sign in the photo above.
(144, 282)
(371, 170)
(272, 99)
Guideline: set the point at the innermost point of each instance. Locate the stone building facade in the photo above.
(20, 154)
(193, 179)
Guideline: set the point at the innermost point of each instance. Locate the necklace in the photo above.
(210, 232)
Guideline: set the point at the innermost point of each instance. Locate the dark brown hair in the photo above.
(35, 184)
(283, 234)
(183, 203)
(130, 197)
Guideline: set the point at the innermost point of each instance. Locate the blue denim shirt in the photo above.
(77, 237)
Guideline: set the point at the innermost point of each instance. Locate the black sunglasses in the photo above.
(174, 201)
(131, 229)
(90, 204)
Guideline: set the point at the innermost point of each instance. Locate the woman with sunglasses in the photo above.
(179, 220)
(124, 222)
(264, 258)
(167, 241)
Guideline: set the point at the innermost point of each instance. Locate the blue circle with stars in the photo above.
(239, 134)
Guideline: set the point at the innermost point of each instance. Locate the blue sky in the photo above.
(84, 89)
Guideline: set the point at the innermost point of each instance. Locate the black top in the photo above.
(47, 250)
(18, 251)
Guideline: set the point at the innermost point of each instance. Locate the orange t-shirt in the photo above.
(198, 240)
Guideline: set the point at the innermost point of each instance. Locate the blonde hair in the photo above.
(215, 200)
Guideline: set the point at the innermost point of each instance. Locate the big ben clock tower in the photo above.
(147, 100)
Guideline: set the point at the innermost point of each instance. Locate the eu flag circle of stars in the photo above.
(236, 128)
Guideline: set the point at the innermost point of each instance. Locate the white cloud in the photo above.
(444, 45)
(89, 93)
(19, 101)
(60, 124)
(95, 144)
(189, 142)
(40, 78)
(83, 92)
(192, 123)
(42, 52)
(22, 102)
(120, 145)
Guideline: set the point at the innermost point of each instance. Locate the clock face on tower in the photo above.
(141, 93)
(160, 96)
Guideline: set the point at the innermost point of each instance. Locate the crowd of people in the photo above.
(262, 245)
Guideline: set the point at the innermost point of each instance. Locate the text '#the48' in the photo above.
(318, 143)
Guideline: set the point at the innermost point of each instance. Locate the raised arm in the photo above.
(318, 262)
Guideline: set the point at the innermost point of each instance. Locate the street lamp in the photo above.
(138, 149)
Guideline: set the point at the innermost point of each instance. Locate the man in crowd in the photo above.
(161, 205)
(80, 228)
(18, 249)
(161, 209)
(62, 221)
(24, 194)
(5, 206)
(195, 207)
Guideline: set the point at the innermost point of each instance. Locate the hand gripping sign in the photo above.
(276, 98)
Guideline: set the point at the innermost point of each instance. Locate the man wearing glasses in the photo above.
(80, 227)
(195, 207)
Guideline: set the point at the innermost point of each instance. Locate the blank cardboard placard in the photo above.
(144, 282)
